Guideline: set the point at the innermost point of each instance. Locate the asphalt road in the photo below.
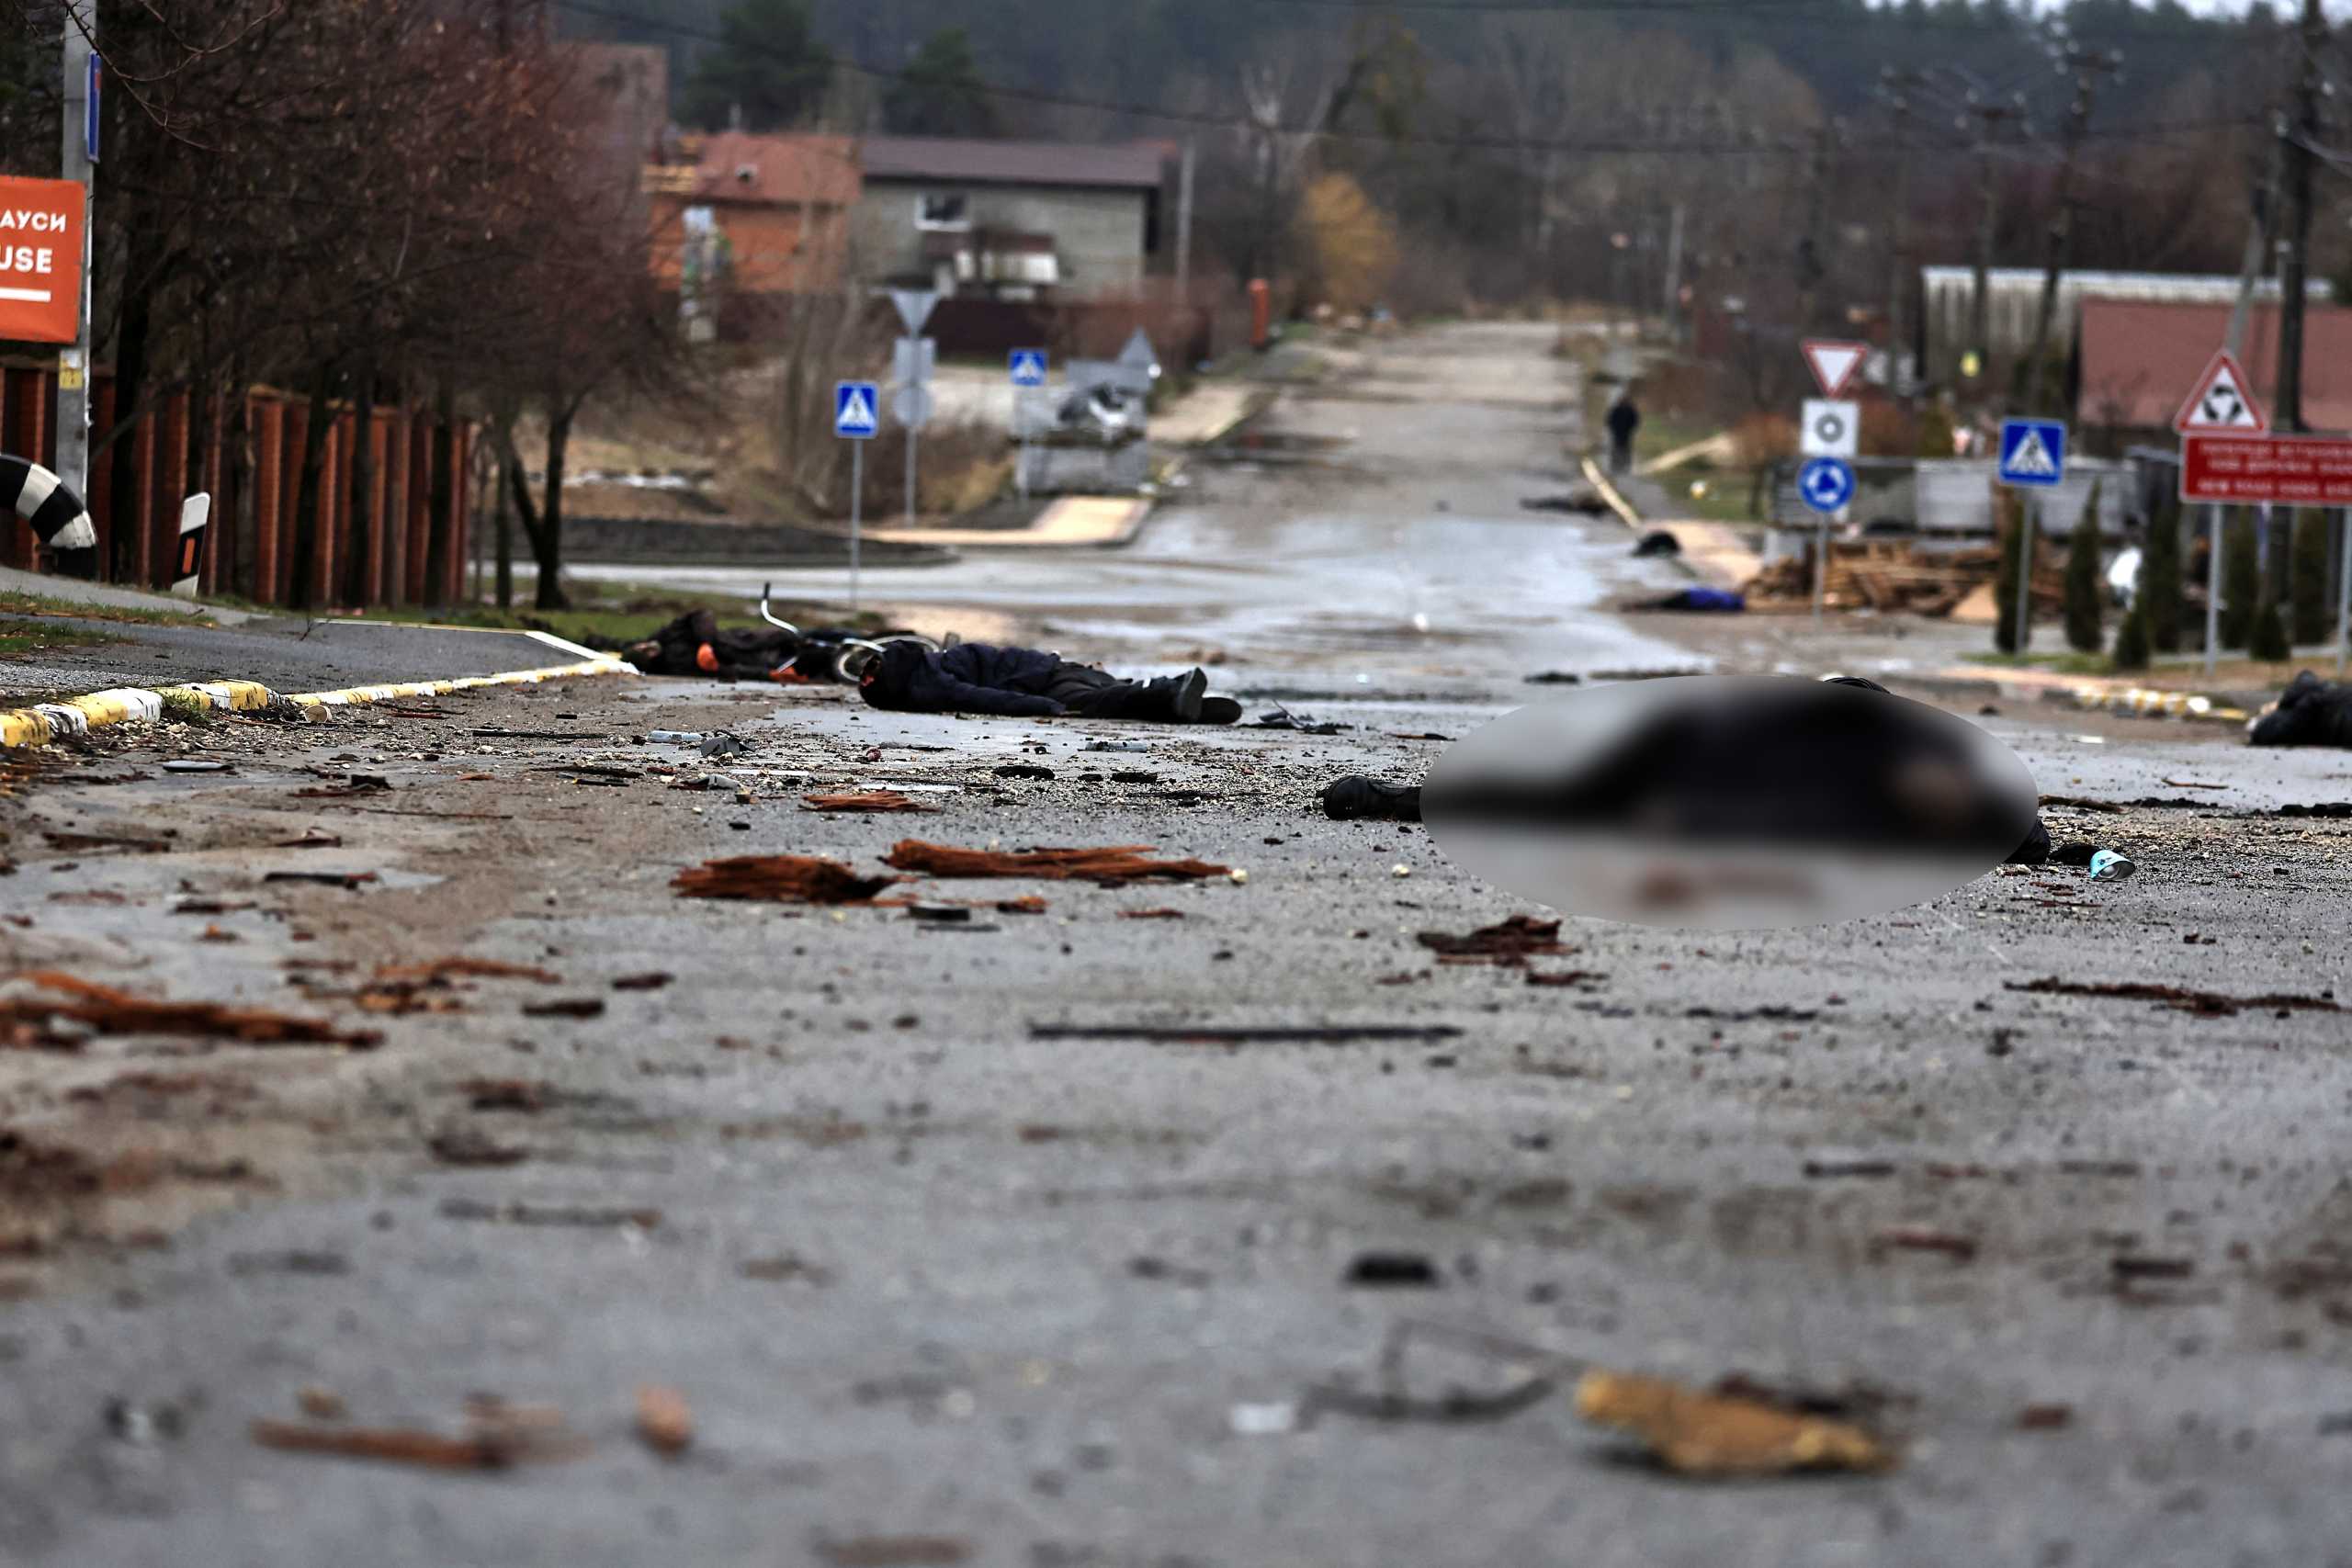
(955, 1262)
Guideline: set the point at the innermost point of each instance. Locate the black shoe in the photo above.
(1219, 710)
(1357, 798)
(1185, 698)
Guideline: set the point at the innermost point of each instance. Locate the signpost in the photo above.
(1027, 367)
(913, 358)
(2033, 456)
(856, 419)
(1834, 363)
(1827, 485)
(1832, 429)
(2229, 456)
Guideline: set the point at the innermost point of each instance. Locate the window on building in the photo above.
(942, 211)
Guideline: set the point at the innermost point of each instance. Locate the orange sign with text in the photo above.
(41, 259)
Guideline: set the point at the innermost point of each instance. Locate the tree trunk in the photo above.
(505, 531)
(441, 525)
(240, 510)
(128, 496)
(548, 545)
(306, 495)
(364, 535)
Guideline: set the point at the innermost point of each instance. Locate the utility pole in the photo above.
(1813, 264)
(1893, 86)
(74, 362)
(2294, 269)
(1989, 117)
(2089, 64)
(1185, 227)
(1674, 275)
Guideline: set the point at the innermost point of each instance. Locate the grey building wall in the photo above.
(1098, 234)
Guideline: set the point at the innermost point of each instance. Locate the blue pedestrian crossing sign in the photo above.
(856, 411)
(1827, 484)
(1028, 367)
(2034, 452)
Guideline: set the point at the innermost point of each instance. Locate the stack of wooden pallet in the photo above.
(1892, 576)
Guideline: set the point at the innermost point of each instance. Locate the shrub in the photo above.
(2084, 588)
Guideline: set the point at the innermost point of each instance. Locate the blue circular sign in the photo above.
(1827, 484)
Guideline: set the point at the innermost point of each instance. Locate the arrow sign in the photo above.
(1834, 363)
(2222, 402)
(1827, 484)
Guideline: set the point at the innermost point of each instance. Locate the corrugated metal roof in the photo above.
(2185, 285)
(737, 165)
(947, 159)
(2142, 359)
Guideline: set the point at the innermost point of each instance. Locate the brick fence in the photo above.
(250, 547)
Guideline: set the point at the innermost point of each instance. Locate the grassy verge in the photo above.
(15, 603)
(18, 638)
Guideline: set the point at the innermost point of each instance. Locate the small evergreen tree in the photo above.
(2266, 638)
(2159, 587)
(940, 92)
(2084, 588)
(768, 69)
(2009, 508)
(2311, 585)
(2241, 579)
(2132, 638)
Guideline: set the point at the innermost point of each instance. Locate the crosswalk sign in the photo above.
(855, 406)
(2033, 453)
(1028, 367)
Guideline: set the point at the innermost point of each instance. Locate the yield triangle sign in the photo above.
(2222, 402)
(1834, 363)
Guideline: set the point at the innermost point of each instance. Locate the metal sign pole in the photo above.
(2212, 587)
(2344, 592)
(73, 362)
(913, 434)
(2025, 574)
(1820, 564)
(857, 503)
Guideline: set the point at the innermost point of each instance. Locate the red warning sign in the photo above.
(41, 259)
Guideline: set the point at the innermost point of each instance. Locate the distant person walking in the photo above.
(1624, 421)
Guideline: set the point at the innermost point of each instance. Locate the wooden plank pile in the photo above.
(1892, 576)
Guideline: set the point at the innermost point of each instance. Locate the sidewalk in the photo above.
(1715, 553)
(1075, 522)
(104, 596)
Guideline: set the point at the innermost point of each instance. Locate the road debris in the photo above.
(109, 1011)
(536, 1215)
(2203, 1004)
(1151, 914)
(464, 1147)
(434, 971)
(504, 1094)
(1714, 1436)
(1023, 771)
(1357, 798)
(571, 1007)
(352, 783)
(349, 881)
(1391, 1271)
(1506, 946)
(1912, 1238)
(896, 1552)
(2045, 1418)
(663, 1421)
(1262, 1420)
(196, 765)
(1108, 867)
(2108, 866)
(319, 1403)
(1282, 718)
(88, 844)
(877, 800)
(652, 980)
(1187, 1034)
(1835, 1165)
(497, 1436)
(779, 879)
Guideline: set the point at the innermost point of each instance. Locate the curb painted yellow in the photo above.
(43, 723)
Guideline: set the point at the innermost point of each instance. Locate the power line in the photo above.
(1796, 143)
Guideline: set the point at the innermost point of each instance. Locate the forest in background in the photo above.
(1523, 152)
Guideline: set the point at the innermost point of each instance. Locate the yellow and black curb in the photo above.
(44, 722)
